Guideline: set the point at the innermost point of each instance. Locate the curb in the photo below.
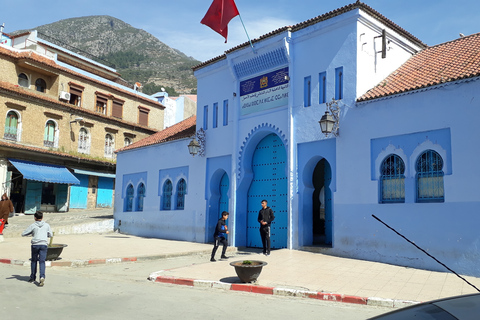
(278, 291)
(83, 263)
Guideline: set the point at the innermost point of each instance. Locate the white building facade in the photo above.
(257, 120)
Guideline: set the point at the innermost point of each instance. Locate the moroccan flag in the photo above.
(219, 15)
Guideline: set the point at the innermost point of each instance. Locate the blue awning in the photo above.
(94, 173)
(44, 172)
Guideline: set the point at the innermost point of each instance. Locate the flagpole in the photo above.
(251, 45)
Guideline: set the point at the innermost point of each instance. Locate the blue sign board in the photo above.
(264, 92)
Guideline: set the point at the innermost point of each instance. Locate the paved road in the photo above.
(121, 291)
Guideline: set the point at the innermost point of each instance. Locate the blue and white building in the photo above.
(406, 118)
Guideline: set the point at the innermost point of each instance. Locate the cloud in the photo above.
(204, 44)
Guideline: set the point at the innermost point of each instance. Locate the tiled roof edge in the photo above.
(433, 85)
(29, 54)
(66, 105)
(56, 153)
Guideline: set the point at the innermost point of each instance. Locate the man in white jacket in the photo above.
(40, 231)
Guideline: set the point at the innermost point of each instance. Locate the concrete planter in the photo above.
(54, 251)
(248, 270)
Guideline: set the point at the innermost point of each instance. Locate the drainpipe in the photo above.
(233, 172)
(291, 142)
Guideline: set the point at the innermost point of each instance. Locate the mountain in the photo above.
(136, 54)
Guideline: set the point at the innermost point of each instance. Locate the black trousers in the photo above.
(265, 234)
(217, 242)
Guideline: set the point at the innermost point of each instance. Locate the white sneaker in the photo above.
(42, 282)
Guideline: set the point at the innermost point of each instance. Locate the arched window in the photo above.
(392, 179)
(109, 145)
(40, 85)
(429, 168)
(140, 197)
(11, 126)
(23, 80)
(167, 195)
(181, 190)
(49, 135)
(127, 142)
(83, 141)
(129, 198)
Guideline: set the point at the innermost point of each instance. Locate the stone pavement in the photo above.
(289, 272)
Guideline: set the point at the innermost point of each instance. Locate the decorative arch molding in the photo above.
(429, 145)
(390, 149)
(250, 142)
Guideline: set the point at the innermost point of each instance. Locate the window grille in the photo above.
(109, 146)
(167, 195)
(181, 189)
(83, 141)
(11, 126)
(429, 168)
(140, 197)
(392, 179)
(129, 198)
(49, 135)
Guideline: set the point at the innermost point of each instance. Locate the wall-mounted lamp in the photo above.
(234, 94)
(193, 147)
(329, 123)
(287, 78)
(79, 119)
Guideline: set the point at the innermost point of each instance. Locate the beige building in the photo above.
(66, 115)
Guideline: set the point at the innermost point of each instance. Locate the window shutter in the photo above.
(143, 117)
(75, 91)
(102, 99)
(117, 109)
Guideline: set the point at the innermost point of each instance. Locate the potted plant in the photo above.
(54, 250)
(248, 270)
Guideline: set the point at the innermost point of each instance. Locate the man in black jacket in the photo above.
(265, 218)
(220, 236)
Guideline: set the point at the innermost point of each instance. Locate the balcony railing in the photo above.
(11, 133)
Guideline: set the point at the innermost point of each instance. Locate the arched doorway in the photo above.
(322, 204)
(218, 202)
(270, 183)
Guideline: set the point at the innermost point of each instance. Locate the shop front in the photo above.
(39, 186)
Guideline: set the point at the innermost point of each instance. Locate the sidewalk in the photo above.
(289, 272)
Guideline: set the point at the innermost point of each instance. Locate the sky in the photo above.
(177, 22)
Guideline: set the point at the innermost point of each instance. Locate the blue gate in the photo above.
(104, 192)
(223, 202)
(79, 193)
(269, 183)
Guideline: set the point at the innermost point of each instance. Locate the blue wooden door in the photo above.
(79, 193)
(104, 192)
(269, 183)
(33, 196)
(328, 204)
(223, 202)
(61, 197)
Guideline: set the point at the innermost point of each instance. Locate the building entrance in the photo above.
(269, 183)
